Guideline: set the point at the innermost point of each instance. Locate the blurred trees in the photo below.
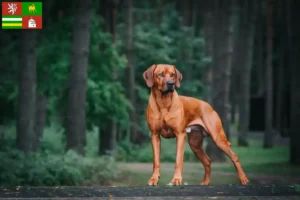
(293, 32)
(108, 12)
(248, 18)
(223, 15)
(131, 72)
(83, 70)
(76, 120)
(26, 91)
(268, 137)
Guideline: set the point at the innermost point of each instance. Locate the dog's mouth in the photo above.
(168, 90)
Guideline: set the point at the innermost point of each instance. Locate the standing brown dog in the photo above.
(170, 115)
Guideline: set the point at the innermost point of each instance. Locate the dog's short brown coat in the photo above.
(168, 115)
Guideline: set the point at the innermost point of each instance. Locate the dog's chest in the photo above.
(160, 120)
(166, 117)
(166, 131)
(163, 120)
(167, 120)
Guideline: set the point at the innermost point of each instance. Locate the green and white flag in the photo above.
(12, 22)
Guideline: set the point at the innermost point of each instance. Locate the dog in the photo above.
(170, 115)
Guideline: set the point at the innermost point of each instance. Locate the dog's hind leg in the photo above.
(195, 139)
(215, 129)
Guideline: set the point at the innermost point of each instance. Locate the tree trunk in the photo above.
(114, 20)
(27, 91)
(40, 120)
(294, 53)
(113, 30)
(76, 119)
(222, 68)
(108, 132)
(195, 30)
(295, 114)
(134, 135)
(259, 54)
(281, 82)
(187, 12)
(233, 95)
(287, 73)
(214, 152)
(107, 145)
(208, 20)
(268, 135)
(245, 75)
(41, 100)
(186, 53)
(227, 65)
(160, 11)
(238, 50)
(195, 16)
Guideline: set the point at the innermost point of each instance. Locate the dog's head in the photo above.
(164, 77)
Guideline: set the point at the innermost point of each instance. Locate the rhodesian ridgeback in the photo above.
(170, 115)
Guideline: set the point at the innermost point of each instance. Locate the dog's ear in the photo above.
(148, 75)
(178, 78)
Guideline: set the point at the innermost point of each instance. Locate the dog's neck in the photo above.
(163, 101)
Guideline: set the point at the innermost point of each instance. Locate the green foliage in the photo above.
(42, 169)
(105, 97)
(53, 140)
(7, 137)
(50, 166)
(9, 59)
(92, 142)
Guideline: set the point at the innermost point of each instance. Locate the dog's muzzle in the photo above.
(170, 86)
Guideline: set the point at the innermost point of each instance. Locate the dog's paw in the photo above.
(176, 181)
(153, 180)
(243, 179)
(205, 182)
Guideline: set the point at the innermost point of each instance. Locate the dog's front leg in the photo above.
(180, 142)
(155, 138)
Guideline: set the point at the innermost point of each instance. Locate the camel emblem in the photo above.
(32, 8)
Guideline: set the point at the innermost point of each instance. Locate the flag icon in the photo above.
(22, 15)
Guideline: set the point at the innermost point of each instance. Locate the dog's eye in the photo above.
(172, 75)
(161, 75)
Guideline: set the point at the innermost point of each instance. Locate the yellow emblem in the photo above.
(32, 8)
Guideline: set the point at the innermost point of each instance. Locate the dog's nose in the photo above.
(170, 83)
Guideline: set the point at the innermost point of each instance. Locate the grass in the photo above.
(254, 158)
(257, 160)
(261, 165)
(130, 178)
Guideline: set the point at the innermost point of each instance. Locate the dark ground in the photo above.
(167, 192)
